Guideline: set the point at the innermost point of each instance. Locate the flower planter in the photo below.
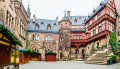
(50, 56)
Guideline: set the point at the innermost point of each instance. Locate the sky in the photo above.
(50, 9)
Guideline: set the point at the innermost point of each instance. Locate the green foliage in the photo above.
(100, 47)
(11, 35)
(104, 45)
(113, 43)
(27, 41)
(93, 49)
(114, 58)
(50, 53)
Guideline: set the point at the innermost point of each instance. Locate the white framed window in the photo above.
(49, 38)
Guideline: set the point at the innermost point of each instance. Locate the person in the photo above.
(84, 55)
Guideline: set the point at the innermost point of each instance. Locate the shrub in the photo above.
(50, 53)
(114, 58)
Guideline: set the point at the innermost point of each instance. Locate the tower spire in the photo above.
(65, 12)
(28, 9)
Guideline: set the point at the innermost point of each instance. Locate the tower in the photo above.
(65, 37)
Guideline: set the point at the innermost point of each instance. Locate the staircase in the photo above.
(99, 58)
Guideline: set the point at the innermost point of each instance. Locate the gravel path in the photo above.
(66, 65)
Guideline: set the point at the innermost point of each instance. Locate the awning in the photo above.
(5, 30)
(35, 52)
(26, 50)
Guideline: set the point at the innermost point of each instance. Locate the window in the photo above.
(65, 24)
(118, 19)
(36, 26)
(42, 23)
(74, 37)
(38, 37)
(48, 38)
(75, 20)
(88, 48)
(98, 44)
(77, 36)
(80, 37)
(93, 19)
(33, 37)
(99, 29)
(94, 32)
(99, 15)
(48, 27)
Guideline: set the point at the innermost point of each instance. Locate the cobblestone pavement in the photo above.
(66, 65)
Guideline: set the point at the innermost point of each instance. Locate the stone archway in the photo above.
(83, 53)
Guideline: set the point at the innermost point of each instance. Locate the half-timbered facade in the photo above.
(100, 23)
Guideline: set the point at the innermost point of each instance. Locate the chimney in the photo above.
(57, 19)
(34, 17)
(68, 14)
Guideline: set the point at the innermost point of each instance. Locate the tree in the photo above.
(27, 41)
(93, 49)
(113, 43)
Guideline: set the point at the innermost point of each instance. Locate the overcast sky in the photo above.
(50, 9)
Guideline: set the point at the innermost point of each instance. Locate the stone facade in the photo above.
(22, 21)
(44, 42)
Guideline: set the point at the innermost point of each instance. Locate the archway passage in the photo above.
(83, 53)
(76, 50)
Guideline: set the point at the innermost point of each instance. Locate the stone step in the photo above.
(97, 59)
(93, 62)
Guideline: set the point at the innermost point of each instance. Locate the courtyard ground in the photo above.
(66, 65)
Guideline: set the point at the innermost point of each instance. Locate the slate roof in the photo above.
(97, 9)
(65, 18)
(43, 26)
(78, 30)
(80, 20)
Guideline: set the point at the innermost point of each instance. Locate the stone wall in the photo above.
(43, 45)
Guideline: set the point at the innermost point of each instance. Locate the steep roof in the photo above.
(78, 30)
(43, 23)
(103, 4)
(80, 20)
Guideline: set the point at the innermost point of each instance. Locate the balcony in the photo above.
(103, 33)
(80, 40)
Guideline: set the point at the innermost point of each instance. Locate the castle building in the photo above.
(75, 36)
(12, 12)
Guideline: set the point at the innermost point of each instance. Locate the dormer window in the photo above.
(48, 27)
(42, 23)
(79, 17)
(75, 20)
(36, 26)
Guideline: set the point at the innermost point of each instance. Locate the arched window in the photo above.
(48, 38)
(38, 37)
(36, 26)
(33, 37)
(65, 24)
(48, 27)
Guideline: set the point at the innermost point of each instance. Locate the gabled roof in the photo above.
(43, 26)
(103, 4)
